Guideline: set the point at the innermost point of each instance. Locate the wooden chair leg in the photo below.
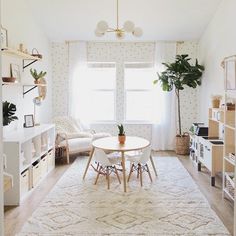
(149, 173)
(131, 171)
(141, 175)
(108, 178)
(118, 177)
(98, 175)
(67, 155)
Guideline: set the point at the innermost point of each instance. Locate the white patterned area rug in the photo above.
(171, 205)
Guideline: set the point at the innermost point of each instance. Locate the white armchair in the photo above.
(73, 136)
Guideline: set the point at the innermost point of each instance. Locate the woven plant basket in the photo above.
(182, 144)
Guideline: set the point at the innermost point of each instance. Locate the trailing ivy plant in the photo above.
(177, 76)
(8, 109)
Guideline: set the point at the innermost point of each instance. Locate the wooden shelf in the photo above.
(22, 84)
(228, 194)
(230, 127)
(25, 91)
(8, 182)
(16, 53)
(24, 56)
(229, 160)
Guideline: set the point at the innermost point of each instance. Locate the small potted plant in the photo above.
(121, 134)
(37, 76)
(8, 111)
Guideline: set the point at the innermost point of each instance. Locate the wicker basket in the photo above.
(215, 103)
(182, 144)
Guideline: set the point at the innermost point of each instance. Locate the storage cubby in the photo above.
(30, 158)
(229, 155)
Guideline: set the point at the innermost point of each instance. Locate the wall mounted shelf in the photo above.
(27, 58)
(26, 87)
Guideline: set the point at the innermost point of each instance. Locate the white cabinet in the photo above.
(30, 157)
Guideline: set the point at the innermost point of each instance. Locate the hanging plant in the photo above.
(9, 109)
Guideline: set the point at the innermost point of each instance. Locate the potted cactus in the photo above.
(121, 134)
(37, 76)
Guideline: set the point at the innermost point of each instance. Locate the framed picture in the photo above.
(15, 72)
(4, 37)
(230, 74)
(29, 121)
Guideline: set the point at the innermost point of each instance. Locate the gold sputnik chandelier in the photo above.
(128, 27)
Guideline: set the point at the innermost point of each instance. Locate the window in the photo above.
(139, 91)
(96, 88)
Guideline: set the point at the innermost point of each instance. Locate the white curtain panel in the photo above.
(77, 68)
(164, 127)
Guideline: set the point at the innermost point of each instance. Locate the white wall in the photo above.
(217, 42)
(22, 28)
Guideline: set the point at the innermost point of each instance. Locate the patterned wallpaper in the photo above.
(60, 71)
(189, 101)
(119, 53)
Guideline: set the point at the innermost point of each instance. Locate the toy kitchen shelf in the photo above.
(27, 58)
(210, 152)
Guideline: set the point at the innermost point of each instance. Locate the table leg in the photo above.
(123, 170)
(153, 165)
(89, 160)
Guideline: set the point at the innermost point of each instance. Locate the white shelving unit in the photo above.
(30, 157)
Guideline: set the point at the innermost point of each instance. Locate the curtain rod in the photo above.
(94, 41)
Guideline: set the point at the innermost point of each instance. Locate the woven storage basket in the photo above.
(215, 103)
(182, 144)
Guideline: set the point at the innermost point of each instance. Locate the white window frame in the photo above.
(114, 90)
(135, 65)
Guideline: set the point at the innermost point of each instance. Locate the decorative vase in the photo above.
(121, 139)
(182, 144)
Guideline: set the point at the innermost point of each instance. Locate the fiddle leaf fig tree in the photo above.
(177, 76)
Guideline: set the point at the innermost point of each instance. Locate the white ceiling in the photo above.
(159, 19)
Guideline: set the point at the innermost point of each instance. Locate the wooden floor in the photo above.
(16, 216)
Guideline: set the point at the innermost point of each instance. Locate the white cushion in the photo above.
(78, 145)
(79, 135)
(100, 135)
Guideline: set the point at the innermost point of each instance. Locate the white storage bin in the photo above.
(36, 169)
(24, 183)
(44, 166)
(51, 160)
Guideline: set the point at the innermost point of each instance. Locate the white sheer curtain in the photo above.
(164, 127)
(77, 70)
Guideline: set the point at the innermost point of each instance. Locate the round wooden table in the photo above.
(112, 144)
